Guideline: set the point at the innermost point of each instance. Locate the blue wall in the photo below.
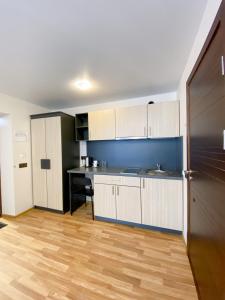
(144, 153)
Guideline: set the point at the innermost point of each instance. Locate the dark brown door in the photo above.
(206, 161)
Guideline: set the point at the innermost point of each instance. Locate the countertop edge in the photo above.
(118, 173)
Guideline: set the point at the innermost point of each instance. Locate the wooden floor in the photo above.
(44, 255)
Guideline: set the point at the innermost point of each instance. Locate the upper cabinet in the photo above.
(101, 125)
(131, 122)
(163, 119)
(158, 120)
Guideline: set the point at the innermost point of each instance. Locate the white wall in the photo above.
(6, 161)
(206, 23)
(122, 103)
(17, 183)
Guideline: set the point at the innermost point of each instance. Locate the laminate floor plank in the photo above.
(44, 255)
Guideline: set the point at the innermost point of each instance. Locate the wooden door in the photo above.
(162, 203)
(131, 121)
(128, 204)
(105, 201)
(206, 165)
(101, 125)
(54, 153)
(163, 119)
(38, 153)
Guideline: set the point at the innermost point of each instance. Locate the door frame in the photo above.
(209, 38)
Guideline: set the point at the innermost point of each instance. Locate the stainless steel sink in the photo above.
(131, 171)
(156, 172)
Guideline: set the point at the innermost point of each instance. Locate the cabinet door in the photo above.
(101, 125)
(162, 203)
(163, 119)
(128, 204)
(54, 153)
(38, 153)
(105, 201)
(131, 121)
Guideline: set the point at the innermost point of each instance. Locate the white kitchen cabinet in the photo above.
(105, 201)
(131, 121)
(117, 197)
(53, 153)
(162, 203)
(39, 152)
(118, 180)
(128, 204)
(102, 125)
(163, 119)
(147, 201)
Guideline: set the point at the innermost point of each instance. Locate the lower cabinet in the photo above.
(120, 200)
(105, 201)
(162, 204)
(128, 204)
(148, 201)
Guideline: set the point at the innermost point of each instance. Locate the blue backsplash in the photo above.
(143, 153)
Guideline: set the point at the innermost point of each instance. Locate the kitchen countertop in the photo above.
(118, 172)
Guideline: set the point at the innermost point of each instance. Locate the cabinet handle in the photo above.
(118, 191)
(113, 190)
(143, 183)
(222, 66)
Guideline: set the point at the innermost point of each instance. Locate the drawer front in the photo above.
(106, 179)
(130, 181)
(117, 180)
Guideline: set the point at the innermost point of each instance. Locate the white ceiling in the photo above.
(130, 48)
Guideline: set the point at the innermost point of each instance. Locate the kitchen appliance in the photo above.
(103, 164)
(88, 161)
(95, 163)
(83, 161)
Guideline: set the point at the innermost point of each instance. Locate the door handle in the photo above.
(222, 66)
(224, 140)
(188, 173)
(45, 164)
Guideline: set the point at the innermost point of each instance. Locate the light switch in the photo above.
(23, 165)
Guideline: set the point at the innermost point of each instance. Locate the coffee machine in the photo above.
(86, 161)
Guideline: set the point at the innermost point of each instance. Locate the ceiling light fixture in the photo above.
(83, 84)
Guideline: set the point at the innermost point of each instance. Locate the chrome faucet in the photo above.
(158, 167)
